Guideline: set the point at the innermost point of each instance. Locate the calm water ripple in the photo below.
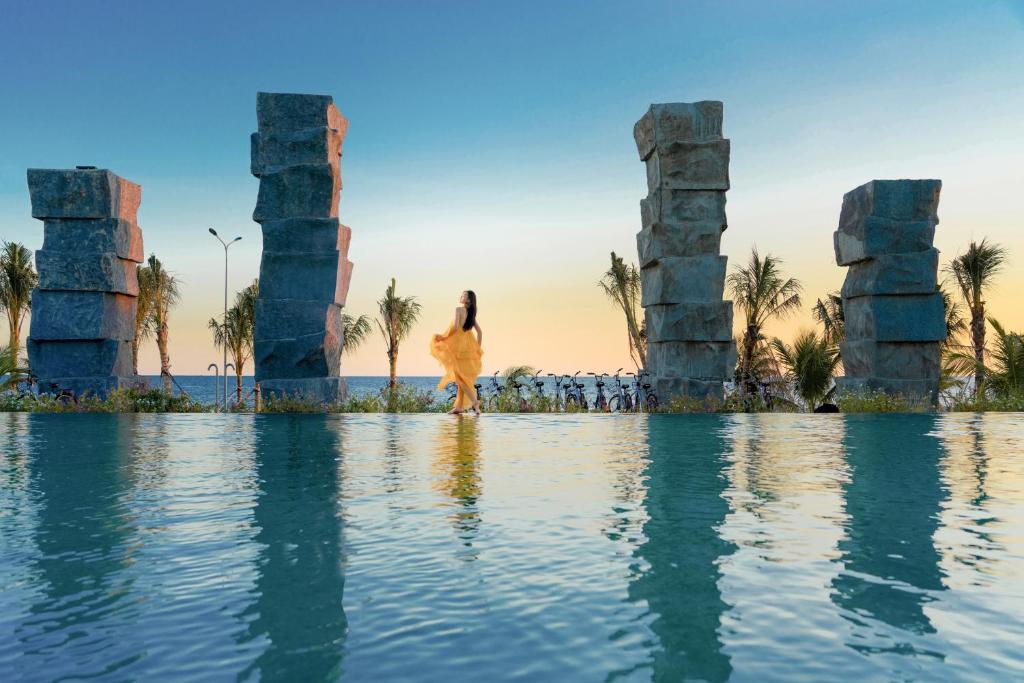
(532, 548)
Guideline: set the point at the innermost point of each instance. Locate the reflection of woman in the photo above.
(458, 350)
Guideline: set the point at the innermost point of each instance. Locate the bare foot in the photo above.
(476, 408)
(455, 411)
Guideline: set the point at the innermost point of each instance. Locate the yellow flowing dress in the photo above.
(460, 354)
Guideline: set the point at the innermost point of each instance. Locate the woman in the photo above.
(458, 350)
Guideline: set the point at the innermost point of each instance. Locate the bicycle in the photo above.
(621, 401)
(644, 395)
(559, 380)
(574, 395)
(496, 389)
(538, 387)
(600, 401)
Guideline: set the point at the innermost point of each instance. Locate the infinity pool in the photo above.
(533, 548)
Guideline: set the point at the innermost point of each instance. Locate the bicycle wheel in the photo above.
(601, 403)
(572, 404)
(652, 403)
(627, 401)
(614, 404)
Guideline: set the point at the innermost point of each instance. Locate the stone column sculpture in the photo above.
(305, 272)
(894, 314)
(690, 349)
(83, 311)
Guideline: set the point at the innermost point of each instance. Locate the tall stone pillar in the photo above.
(305, 271)
(690, 349)
(894, 314)
(83, 311)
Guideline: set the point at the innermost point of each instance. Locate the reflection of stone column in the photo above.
(690, 349)
(305, 271)
(83, 311)
(300, 581)
(894, 315)
(685, 508)
(892, 503)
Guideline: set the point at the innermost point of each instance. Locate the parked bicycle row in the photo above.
(611, 392)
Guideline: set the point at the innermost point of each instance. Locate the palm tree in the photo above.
(830, 314)
(356, 331)
(11, 371)
(17, 280)
(761, 292)
(621, 284)
(143, 312)
(236, 333)
(1004, 376)
(973, 272)
(810, 363)
(398, 314)
(165, 296)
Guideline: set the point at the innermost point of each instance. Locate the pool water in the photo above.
(532, 548)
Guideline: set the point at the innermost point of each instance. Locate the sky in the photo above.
(490, 144)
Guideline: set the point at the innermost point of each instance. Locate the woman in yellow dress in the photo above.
(458, 350)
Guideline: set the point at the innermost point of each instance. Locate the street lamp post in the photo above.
(224, 375)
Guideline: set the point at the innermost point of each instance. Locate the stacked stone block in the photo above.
(305, 271)
(690, 349)
(894, 314)
(83, 311)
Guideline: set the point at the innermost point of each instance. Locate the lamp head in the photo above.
(213, 232)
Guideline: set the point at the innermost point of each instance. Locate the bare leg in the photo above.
(456, 410)
(469, 391)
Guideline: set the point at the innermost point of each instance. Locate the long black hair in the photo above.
(470, 310)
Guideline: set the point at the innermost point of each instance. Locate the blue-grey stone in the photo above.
(293, 111)
(678, 207)
(666, 388)
(87, 271)
(696, 360)
(297, 318)
(874, 237)
(326, 390)
(910, 273)
(926, 390)
(665, 241)
(689, 166)
(82, 315)
(302, 235)
(913, 318)
(706, 321)
(272, 151)
(901, 200)
(90, 358)
(316, 276)
(311, 355)
(683, 279)
(906, 360)
(82, 193)
(88, 386)
(303, 191)
(116, 235)
(664, 124)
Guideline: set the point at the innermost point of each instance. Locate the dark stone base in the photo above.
(319, 389)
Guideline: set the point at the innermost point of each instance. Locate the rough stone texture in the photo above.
(87, 271)
(93, 386)
(82, 193)
(94, 357)
(97, 236)
(660, 241)
(708, 321)
(894, 316)
(915, 318)
(304, 272)
(83, 311)
(910, 273)
(689, 327)
(304, 191)
(867, 358)
(81, 315)
(682, 279)
(697, 360)
(321, 389)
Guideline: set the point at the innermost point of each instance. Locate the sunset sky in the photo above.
(490, 144)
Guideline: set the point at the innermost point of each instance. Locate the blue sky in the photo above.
(491, 142)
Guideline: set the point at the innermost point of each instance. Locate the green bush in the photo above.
(881, 402)
(117, 401)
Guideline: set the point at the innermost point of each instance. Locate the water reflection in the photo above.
(300, 574)
(459, 461)
(84, 540)
(683, 548)
(892, 501)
